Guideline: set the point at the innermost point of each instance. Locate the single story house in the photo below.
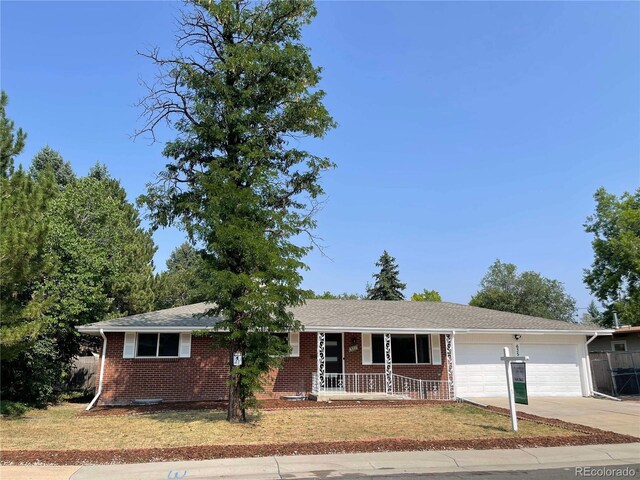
(624, 339)
(349, 349)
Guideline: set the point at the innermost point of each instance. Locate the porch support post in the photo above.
(450, 348)
(321, 362)
(388, 373)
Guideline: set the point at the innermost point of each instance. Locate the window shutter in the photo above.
(366, 349)
(294, 343)
(436, 355)
(129, 350)
(185, 345)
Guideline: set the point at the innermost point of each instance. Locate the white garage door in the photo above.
(552, 370)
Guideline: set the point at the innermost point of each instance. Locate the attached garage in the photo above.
(556, 365)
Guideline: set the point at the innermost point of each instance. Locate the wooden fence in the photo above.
(84, 372)
(616, 373)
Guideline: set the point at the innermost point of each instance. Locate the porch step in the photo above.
(337, 396)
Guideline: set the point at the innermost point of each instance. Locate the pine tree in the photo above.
(25, 262)
(11, 144)
(241, 86)
(387, 284)
(48, 158)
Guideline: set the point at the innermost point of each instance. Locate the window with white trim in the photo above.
(405, 348)
(292, 339)
(619, 346)
(158, 345)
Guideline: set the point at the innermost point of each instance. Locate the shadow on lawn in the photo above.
(209, 416)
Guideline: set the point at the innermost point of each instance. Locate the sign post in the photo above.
(508, 362)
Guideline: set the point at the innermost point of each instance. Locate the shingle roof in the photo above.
(357, 315)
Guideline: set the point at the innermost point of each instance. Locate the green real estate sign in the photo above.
(519, 372)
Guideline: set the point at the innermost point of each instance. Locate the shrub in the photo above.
(12, 409)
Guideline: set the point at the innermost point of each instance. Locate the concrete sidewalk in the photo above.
(356, 464)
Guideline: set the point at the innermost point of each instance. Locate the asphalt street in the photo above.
(631, 471)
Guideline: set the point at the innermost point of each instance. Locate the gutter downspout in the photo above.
(593, 392)
(588, 362)
(104, 351)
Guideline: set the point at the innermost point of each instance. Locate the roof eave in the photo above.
(90, 329)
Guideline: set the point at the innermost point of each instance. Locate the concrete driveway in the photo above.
(620, 417)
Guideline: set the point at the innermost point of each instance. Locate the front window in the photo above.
(410, 349)
(158, 344)
(283, 338)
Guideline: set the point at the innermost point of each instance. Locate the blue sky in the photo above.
(467, 131)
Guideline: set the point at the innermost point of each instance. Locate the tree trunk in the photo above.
(234, 412)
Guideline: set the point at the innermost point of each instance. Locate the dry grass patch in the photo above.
(64, 427)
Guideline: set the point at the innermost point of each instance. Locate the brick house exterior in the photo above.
(203, 375)
(426, 350)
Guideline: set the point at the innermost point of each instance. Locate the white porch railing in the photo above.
(363, 383)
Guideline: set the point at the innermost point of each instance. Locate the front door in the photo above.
(333, 360)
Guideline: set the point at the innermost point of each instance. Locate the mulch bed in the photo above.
(265, 405)
(583, 436)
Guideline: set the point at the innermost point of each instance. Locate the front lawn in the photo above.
(65, 427)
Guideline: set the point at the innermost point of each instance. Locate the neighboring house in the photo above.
(350, 349)
(615, 362)
(624, 339)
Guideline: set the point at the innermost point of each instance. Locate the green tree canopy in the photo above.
(99, 172)
(104, 270)
(105, 255)
(240, 87)
(11, 143)
(614, 276)
(426, 296)
(25, 260)
(184, 280)
(327, 295)
(529, 293)
(49, 159)
(387, 285)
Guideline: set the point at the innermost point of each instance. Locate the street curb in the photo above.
(355, 464)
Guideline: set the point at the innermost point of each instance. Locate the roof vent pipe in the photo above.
(615, 320)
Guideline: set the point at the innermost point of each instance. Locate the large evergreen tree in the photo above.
(503, 288)
(387, 285)
(25, 261)
(240, 88)
(11, 143)
(49, 159)
(184, 280)
(614, 276)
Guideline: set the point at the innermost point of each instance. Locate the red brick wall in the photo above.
(203, 376)
(294, 376)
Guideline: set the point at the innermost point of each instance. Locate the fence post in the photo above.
(635, 372)
(613, 378)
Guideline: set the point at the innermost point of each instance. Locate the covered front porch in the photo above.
(363, 366)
